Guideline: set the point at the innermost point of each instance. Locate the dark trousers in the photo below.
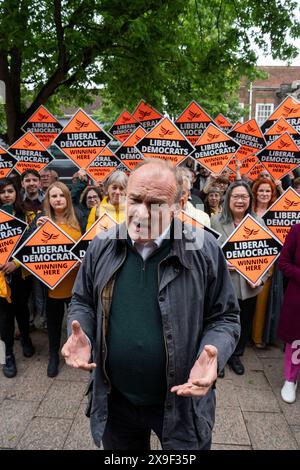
(17, 309)
(129, 426)
(55, 309)
(247, 307)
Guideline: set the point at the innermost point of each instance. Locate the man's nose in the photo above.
(143, 211)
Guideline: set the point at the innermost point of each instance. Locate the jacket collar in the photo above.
(181, 239)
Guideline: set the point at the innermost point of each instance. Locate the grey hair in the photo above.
(226, 215)
(164, 164)
(117, 177)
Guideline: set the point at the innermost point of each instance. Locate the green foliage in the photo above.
(56, 52)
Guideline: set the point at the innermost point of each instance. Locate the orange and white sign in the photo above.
(11, 230)
(165, 141)
(82, 139)
(147, 116)
(251, 249)
(43, 125)
(280, 157)
(236, 125)
(7, 163)
(103, 166)
(193, 121)
(283, 214)
(246, 165)
(128, 153)
(124, 126)
(30, 153)
(214, 149)
(255, 171)
(223, 123)
(250, 138)
(102, 225)
(280, 127)
(289, 109)
(47, 254)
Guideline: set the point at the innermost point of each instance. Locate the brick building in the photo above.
(262, 96)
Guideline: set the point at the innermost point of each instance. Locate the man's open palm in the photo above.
(77, 349)
(202, 375)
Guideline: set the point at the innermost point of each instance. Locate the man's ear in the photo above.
(177, 207)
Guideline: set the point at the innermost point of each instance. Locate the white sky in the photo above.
(262, 60)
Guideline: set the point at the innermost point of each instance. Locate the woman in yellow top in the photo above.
(114, 201)
(58, 208)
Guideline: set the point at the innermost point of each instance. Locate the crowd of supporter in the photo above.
(213, 200)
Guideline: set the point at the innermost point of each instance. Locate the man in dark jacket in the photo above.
(155, 308)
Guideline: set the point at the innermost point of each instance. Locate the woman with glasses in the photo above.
(114, 201)
(237, 204)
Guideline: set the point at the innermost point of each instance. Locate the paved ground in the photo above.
(37, 412)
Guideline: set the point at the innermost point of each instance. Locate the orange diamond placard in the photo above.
(250, 138)
(103, 165)
(30, 153)
(124, 126)
(223, 123)
(43, 125)
(280, 157)
(289, 109)
(165, 141)
(283, 214)
(280, 127)
(251, 249)
(101, 226)
(128, 153)
(47, 254)
(11, 230)
(214, 149)
(246, 165)
(7, 163)
(147, 116)
(255, 171)
(236, 125)
(82, 139)
(193, 121)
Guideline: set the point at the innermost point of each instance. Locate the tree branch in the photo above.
(62, 58)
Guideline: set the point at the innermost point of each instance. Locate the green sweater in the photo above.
(136, 349)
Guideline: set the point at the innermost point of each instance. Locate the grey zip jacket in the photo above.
(198, 307)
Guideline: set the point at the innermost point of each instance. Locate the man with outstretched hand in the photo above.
(154, 318)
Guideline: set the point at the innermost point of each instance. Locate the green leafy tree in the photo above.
(56, 52)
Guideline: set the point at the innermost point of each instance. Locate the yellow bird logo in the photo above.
(143, 114)
(164, 132)
(288, 204)
(29, 143)
(250, 232)
(48, 236)
(282, 144)
(211, 137)
(80, 124)
(42, 116)
(192, 115)
(288, 110)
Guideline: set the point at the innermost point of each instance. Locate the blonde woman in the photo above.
(58, 208)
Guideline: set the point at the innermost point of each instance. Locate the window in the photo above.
(263, 111)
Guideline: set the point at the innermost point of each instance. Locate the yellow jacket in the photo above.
(5, 290)
(116, 212)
